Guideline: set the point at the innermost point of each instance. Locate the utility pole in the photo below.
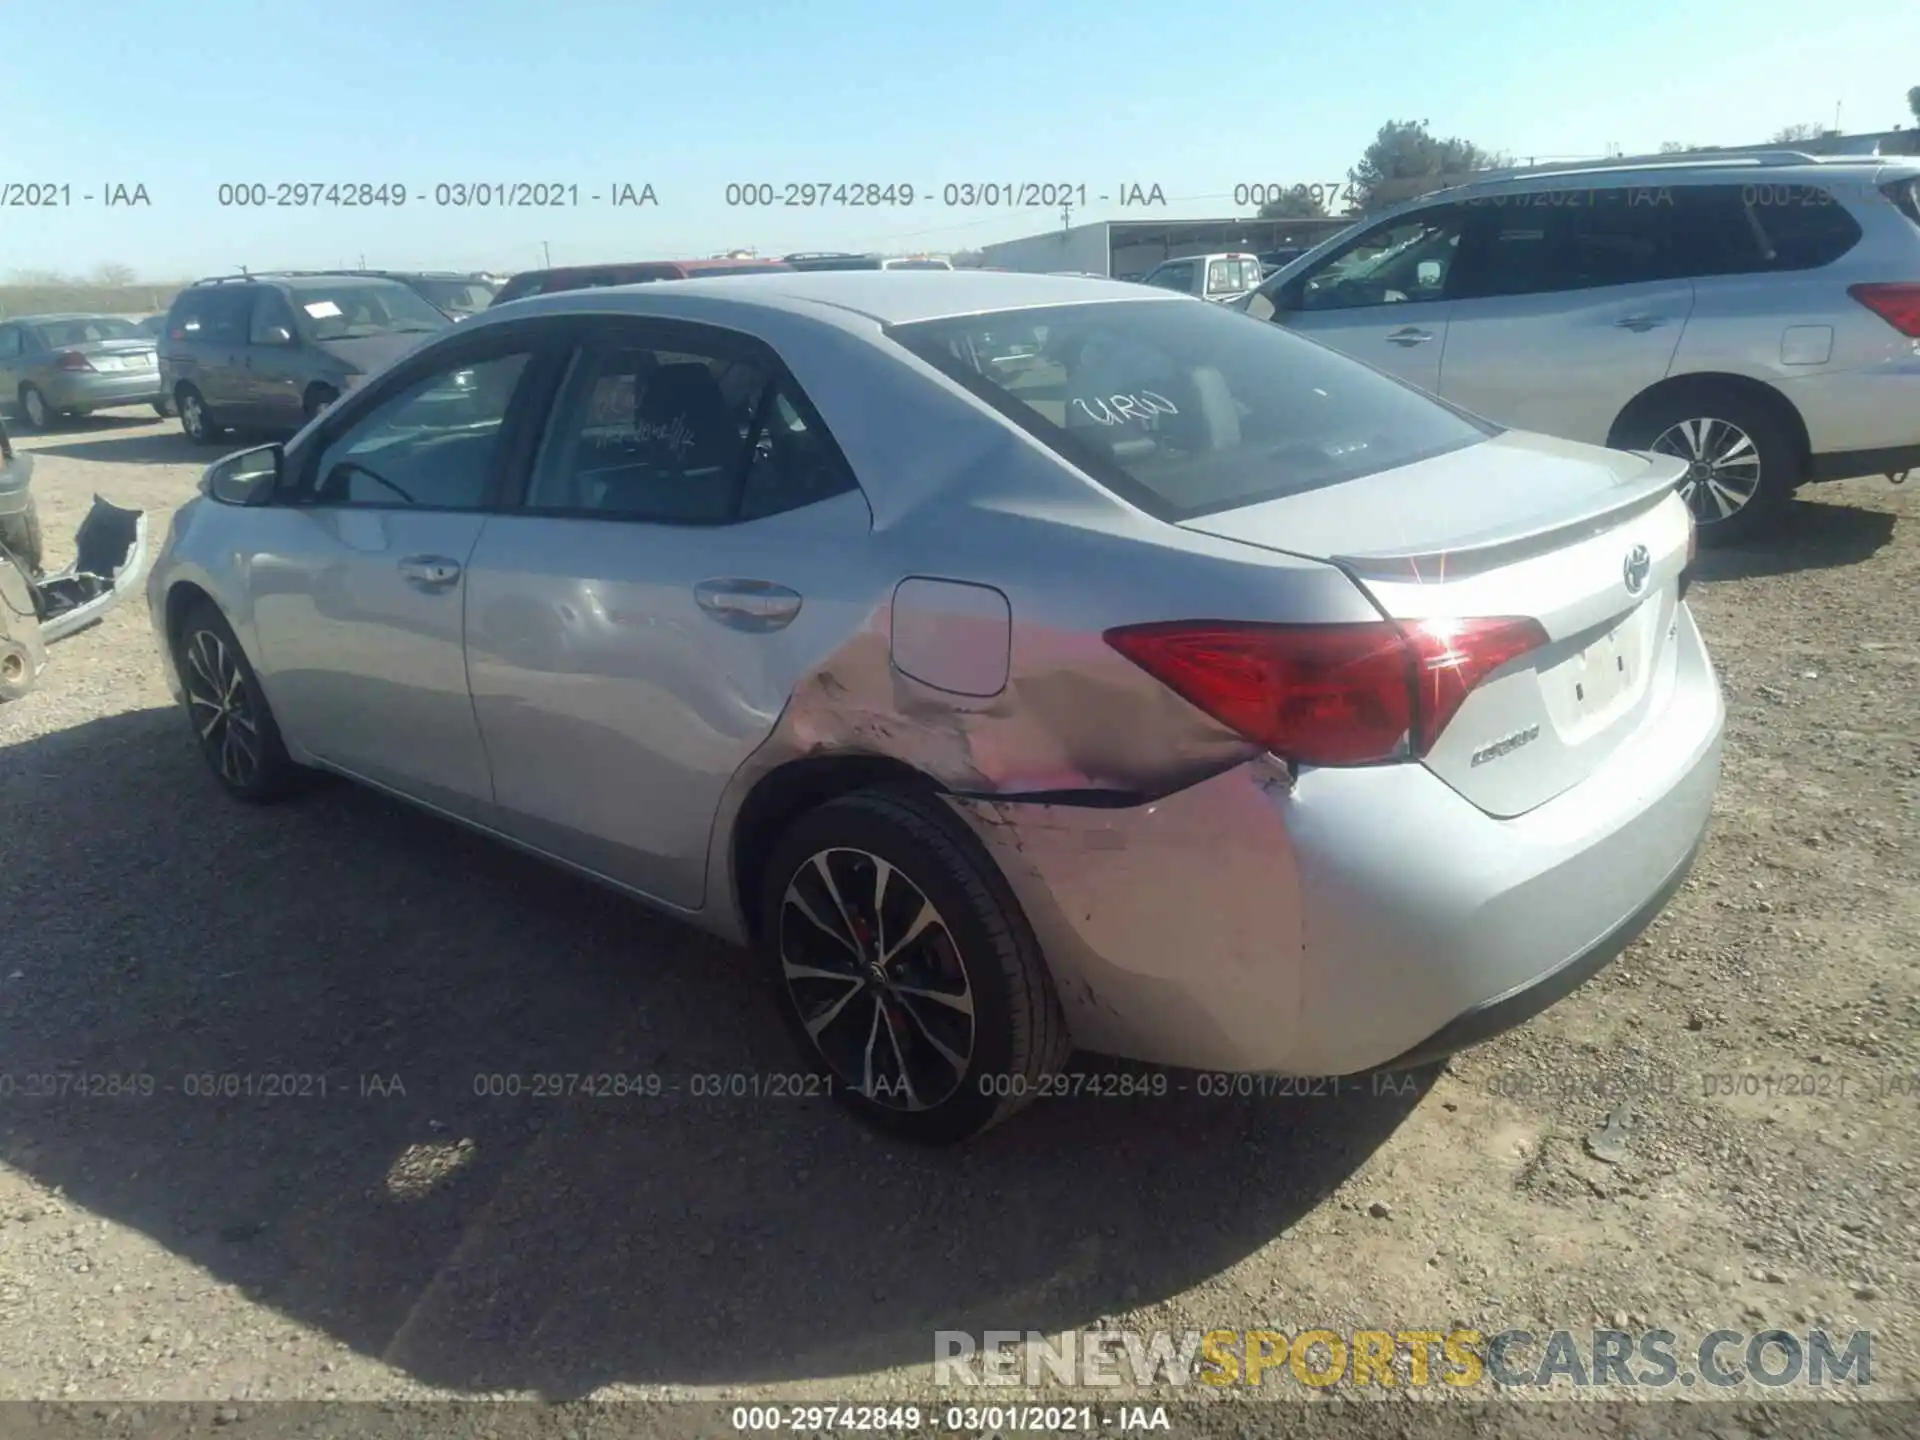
(546, 253)
(1066, 215)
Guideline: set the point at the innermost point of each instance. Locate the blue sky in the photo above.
(689, 98)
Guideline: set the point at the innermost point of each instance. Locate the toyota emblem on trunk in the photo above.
(1639, 562)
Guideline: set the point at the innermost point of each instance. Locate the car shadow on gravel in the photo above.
(1813, 535)
(143, 445)
(328, 1000)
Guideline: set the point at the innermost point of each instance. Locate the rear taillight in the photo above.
(1329, 694)
(72, 360)
(1898, 305)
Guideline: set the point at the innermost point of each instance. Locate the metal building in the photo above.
(1129, 248)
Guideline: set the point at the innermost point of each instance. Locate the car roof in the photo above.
(1658, 170)
(888, 297)
(693, 265)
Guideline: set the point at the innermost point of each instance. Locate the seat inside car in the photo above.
(667, 464)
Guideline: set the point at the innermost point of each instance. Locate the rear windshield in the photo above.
(1230, 277)
(60, 333)
(346, 310)
(1185, 409)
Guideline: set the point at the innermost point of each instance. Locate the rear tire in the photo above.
(1743, 461)
(35, 412)
(196, 420)
(231, 720)
(908, 973)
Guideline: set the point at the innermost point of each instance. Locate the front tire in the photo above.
(232, 722)
(908, 972)
(196, 420)
(1742, 461)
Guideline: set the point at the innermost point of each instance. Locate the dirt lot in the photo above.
(402, 1235)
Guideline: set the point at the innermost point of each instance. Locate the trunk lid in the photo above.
(1522, 525)
(113, 356)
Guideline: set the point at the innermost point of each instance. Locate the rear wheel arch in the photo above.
(1708, 383)
(782, 796)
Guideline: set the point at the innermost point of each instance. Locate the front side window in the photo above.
(271, 312)
(360, 310)
(1188, 409)
(434, 445)
(1401, 261)
(680, 437)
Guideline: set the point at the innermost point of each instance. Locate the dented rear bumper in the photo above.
(1346, 920)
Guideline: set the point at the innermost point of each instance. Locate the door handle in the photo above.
(756, 606)
(1410, 336)
(435, 572)
(1640, 324)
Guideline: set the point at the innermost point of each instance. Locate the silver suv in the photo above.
(1756, 314)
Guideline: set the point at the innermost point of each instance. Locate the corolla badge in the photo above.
(1638, 564)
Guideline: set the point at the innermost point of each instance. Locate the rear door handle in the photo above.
(756, 606)
(433, 572)
(1640, 324)
(1410, 336)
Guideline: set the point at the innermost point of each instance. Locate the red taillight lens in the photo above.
(72, 360)
(1898, 305)
(1454, 656)
(1329, 694)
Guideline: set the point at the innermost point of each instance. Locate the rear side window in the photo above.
(218, 316)
(1757, 229)
(1905, 195)
(1183, 410)
(681, 437)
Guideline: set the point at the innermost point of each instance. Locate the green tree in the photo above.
(1674, 147)
(1793, 134)
(1294, 205)
(1404, 151)
(1913, 101)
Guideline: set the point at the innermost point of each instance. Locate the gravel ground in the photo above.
(386, 1232)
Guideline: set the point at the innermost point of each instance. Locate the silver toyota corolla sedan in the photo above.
(1184, 691)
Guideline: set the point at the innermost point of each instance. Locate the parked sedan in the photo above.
(53, 366)
(1195, 694)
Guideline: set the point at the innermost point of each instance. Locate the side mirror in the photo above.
(276, 335)
(247, 477)
(1427, 275)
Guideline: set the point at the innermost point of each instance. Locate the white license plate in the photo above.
(1606, 669)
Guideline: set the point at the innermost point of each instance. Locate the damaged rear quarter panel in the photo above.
(1075, 718)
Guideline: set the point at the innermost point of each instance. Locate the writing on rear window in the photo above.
(1119, 408)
